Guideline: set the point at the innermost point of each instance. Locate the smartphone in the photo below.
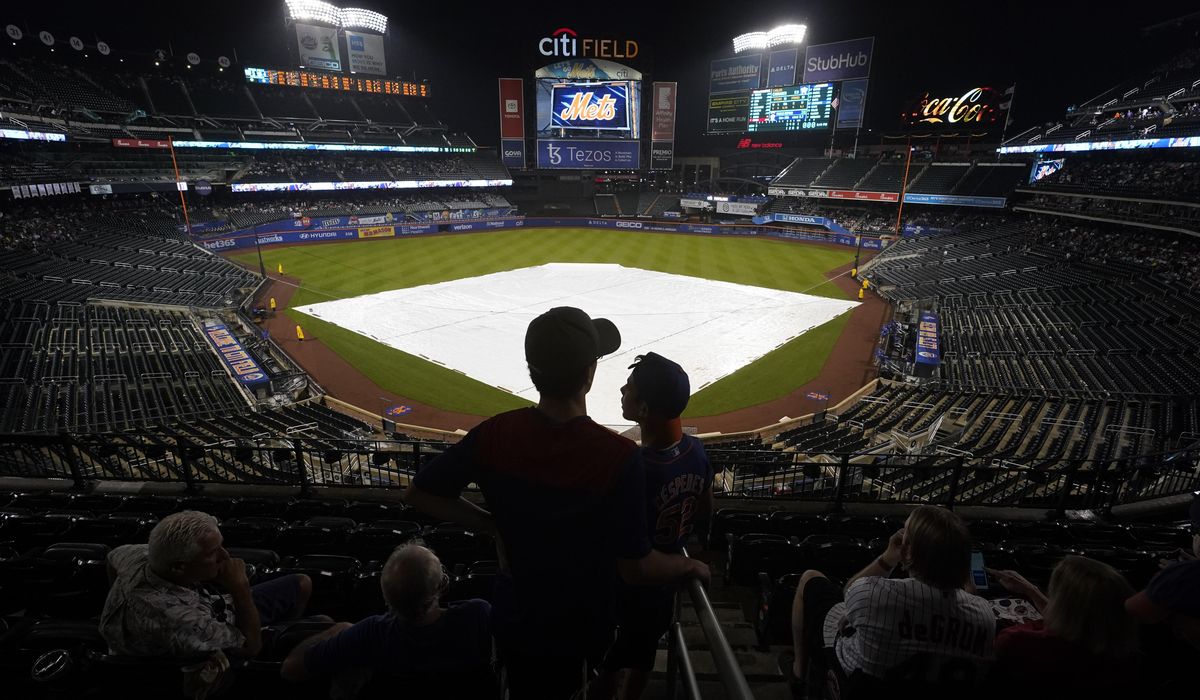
(978, 572)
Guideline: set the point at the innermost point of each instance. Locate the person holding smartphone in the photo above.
(1085, 639)
(885, 625)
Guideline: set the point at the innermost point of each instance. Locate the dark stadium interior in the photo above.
(1038, 372)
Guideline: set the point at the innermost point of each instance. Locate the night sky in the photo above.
(1058, 53)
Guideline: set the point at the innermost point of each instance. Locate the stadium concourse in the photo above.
(1021, 355)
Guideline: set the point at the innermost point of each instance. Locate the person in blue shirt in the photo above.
(566, 499)
(678, 496)
(416, 639)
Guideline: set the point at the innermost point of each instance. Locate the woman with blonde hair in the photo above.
(1085, 640)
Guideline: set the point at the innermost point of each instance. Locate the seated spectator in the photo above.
(416, 637)
(163, 602)
(886, 625)
(1173, 596)
(1085, 641)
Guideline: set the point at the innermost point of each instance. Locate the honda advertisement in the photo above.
(842, 60)
(578, 154)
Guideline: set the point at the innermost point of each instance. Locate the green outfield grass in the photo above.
(340, 270)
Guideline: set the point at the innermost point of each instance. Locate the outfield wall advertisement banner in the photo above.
(141, 143)
(727, 114)
(837, 236)
(834, 194)
(512, 108)
(239, 362)
(318, 47)
(841, 60)
(737, 74)
(575, 154)
(737, 208)
(955, 200)
(852, 102)
(781, 67)
(365, 53)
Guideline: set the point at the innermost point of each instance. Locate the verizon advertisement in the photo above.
(663, 125)
(512, 108)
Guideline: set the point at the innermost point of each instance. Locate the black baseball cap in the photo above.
(565, 340)
(661, 384)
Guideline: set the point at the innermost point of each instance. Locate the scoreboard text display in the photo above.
(590, 106)
(793, 108)
(326, 81)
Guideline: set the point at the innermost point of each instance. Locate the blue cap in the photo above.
(661, 384)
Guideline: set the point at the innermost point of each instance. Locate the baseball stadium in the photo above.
(729, 353)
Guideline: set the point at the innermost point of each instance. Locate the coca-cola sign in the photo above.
(976, 107)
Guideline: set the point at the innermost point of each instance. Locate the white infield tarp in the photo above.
(477, 325)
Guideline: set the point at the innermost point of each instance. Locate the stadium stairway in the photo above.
(736, 609)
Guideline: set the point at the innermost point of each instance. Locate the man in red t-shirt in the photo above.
(566, 498)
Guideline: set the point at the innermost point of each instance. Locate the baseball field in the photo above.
(333, 271)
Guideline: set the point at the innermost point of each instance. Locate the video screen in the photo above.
(1045, 168)
(588, 109)
(792, 108)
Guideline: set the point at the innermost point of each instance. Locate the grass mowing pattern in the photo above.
(340, 270)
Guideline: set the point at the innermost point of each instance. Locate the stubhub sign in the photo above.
(588, 155)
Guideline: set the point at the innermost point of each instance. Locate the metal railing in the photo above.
(679, 664)
(302, 461)
(957, 479)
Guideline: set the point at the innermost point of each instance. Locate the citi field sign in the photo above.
(566, 43)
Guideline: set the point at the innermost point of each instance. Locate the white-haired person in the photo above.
(181, 594)
(1085, 639)
(416, 637)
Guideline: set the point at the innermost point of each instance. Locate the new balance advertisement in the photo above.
(852, 103)
(577, 154)
(727, 114)
(841, 60)
(662, 155)
(365, 53)
(781, 67)
(735, 74)
(318, 47)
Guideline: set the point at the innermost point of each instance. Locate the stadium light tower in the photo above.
(786, 34)
(750, 41)
(779, 36)
(357, 18)
(314, 11)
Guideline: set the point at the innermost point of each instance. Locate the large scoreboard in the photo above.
(806, 107)
(334, 81)
(588, 109)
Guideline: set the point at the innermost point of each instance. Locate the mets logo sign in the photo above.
(398, 410)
